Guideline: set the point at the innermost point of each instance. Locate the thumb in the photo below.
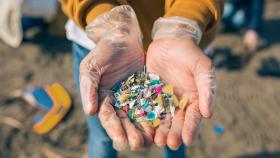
(205, 82)
(90, 74)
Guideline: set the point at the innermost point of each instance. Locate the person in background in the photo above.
(108, 46)
(19, 16)
(245, 15)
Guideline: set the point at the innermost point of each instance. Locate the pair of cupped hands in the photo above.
(118, 54)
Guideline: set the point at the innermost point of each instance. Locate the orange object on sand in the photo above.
(61, 105)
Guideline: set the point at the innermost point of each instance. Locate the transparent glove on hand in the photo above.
(176, 58)
(117, 55)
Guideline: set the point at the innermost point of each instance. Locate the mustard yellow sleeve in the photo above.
(207, 13)
(83, 12)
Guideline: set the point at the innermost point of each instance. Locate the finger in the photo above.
(90, 74)
(148, 133)
(135, 138)
(205, 81)
(174, 139)
(191, 124)
(162, 132)
(112, 124)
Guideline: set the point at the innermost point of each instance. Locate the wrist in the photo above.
(118, 23)
(176, 27)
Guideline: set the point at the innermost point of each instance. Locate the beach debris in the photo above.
(144, 97)
(218, 129)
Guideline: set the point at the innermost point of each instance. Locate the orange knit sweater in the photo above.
(207, 13)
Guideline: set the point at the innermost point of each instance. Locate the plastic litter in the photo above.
(218, 129)
(144, 97)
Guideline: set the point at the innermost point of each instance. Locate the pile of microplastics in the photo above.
(144, 97)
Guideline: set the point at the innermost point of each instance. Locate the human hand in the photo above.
(250, 41)
(180, 62)
(117, 55)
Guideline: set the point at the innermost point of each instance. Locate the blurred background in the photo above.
(246, 53)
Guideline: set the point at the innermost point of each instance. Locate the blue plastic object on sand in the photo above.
(38, 118)
(41, 97)
(219, 129)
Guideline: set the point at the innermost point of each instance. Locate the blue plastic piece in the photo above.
(38, 118)
(116, 86)
(219, 129)
(151, 116)
(42, 98)
(145, 106)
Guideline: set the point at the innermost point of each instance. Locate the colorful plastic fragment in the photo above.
(156, 122)
(183, 103)
(175, 101)
(168, 89)
(123, 97)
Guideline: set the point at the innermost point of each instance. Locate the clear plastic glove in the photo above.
(176, 58)
(117, 55)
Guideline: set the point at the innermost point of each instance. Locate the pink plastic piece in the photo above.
(126, 108)
(158, 90)
(142, 113)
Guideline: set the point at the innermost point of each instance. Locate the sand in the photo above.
(247, 104)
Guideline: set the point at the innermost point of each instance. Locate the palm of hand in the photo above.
(119, 60)
(182, 64)
(109, 63)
